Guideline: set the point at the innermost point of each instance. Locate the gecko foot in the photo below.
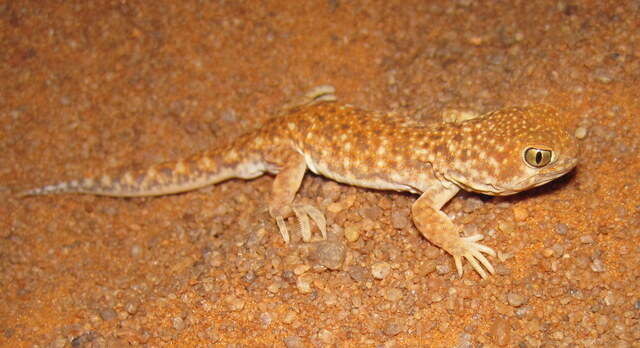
(303, 213)
(313, 96)
(472, 252)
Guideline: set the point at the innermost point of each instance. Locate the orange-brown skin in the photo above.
(358, 147)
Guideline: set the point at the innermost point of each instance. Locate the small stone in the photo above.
(443, 269)
(265, 320)
(507, 227)
(373, 213)
(293, 342)
(501, 332)
(597, 266)
(289, 317)
(581, 132)
(558, 250)
(392, 328)
(380, 270)
(326, 336)
(274, 287)
(393, 294)
(520, 214)
(108, 314)
(131, 307)
(304, 285)
(235, 304)
(472, 204)
(352, 233)
(60, 342)
(329, 254)
(331, 190)
(561, 229)
(136, 251)
(358, 273)
(586, 239)
(602, 75)
(178, 323)
(400, 218)
(515, 300)
(301, 269)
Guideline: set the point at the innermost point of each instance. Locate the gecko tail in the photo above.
(63, 187)
(197, 171)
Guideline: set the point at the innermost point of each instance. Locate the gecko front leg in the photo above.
(436, 226)
(283, 192)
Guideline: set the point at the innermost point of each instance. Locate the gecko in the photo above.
(498, 153)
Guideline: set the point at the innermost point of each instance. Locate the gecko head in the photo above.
(514, 149)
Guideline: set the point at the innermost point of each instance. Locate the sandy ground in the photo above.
(89, 87)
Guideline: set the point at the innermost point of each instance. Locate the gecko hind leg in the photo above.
(283, 191)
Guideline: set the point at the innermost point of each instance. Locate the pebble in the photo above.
(301, 269)
(108, 314)
(443, 269)
(393, 294)
(373, 212)
(303, 284)
(331, 190)
(558, 250)
(358, 273)
(472, 204)
(289, 317)
(400, 218)
(581, 132)
(265, 320)
(293, 342)
(501, 332)
(136, 251)
(352, 233)
(597, 265)
(515, 300)
(392, 328)
(586, 239)
(178, 323)
(380, 270)
(329, 254)
(131, 307)
(235, 304)
(520, 214)
(325, 336)
(274, 287)
(507, 227)
(60, 342)
(561, 229)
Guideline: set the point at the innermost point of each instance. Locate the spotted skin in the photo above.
(482, 154)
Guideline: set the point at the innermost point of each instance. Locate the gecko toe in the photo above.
(474, 263)
(472, 252)
(303, 223)
(317, 216)
(283, 229)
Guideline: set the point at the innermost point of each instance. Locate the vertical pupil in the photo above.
(538, 157)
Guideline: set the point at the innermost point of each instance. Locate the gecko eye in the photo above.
(537, 157)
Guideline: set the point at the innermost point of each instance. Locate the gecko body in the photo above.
(499, 153)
